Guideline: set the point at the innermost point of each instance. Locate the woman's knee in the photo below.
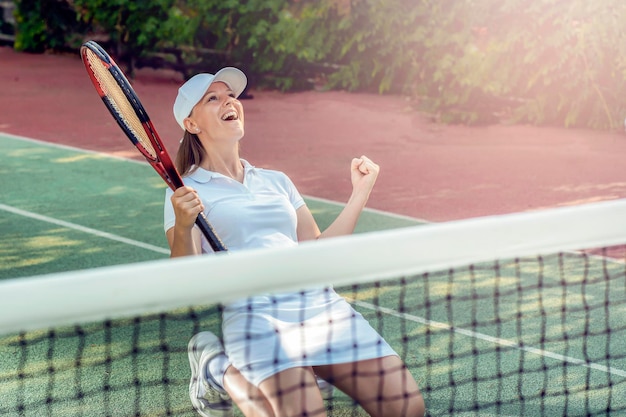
(384, 387)
(250, 400)
(294, 392)
(403, 405)
(411, 406)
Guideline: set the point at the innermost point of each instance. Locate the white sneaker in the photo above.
(326, 388)
(206, 397)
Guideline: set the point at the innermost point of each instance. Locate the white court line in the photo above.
(71, 148)
(371, 210)
(143, 162)
(119, 238)
(391, 312)
(84, 229)
(491, 339)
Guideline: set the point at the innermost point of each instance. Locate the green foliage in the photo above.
(380, 45)
(268, 37)
(44, 24)
(541, 62)
(134, 26)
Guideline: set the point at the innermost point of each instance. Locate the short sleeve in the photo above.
(169, 219)
(295, 198)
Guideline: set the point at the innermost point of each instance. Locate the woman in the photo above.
(275, 345)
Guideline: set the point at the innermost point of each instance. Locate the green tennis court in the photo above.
(65, 209)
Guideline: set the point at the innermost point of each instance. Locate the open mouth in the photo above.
(231, 115)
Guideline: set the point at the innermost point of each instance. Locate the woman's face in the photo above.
(219, 115)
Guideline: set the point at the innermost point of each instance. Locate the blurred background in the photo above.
(541, 62)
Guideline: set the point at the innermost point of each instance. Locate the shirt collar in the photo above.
(202, 175)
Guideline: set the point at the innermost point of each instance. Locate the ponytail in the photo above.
(190, 154)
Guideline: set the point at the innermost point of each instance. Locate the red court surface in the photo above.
(429, 171)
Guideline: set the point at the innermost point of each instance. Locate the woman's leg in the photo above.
(213, 389)
(250, 400)
(294, 393)
(384, 387)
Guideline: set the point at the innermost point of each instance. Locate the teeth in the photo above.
(231, 115)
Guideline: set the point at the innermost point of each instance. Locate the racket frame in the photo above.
(160, 161)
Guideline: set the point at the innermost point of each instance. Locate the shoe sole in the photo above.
(194, 381)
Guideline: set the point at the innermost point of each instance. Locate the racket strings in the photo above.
(119, 103)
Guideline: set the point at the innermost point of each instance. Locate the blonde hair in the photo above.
(190, 154)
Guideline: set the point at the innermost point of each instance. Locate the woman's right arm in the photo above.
(184, 239)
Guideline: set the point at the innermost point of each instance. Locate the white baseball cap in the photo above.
(190, 93)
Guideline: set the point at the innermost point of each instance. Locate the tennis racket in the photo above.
(122, 102)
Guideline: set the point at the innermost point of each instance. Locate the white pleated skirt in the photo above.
(264, 335)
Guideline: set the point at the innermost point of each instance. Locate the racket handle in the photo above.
(208, 232)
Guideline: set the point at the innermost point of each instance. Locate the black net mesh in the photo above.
(540, 335)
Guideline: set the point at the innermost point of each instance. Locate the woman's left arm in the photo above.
(363, 173)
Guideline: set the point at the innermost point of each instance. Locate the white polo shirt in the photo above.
(288, 329)
(258, 213)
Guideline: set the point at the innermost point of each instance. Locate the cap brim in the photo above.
(234, 78)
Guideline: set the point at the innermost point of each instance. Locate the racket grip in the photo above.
(208, 232)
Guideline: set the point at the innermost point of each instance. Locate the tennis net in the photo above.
(520, 314)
